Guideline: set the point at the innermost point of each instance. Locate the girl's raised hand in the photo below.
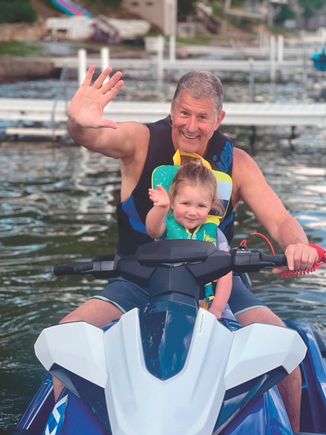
(159, 197)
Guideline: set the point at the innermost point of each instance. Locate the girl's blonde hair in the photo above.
(195, 173)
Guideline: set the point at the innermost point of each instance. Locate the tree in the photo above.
(17, 11)
(285, 13)
(309, 7)
(186, 8)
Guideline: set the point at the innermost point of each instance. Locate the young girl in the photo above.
(183, 213)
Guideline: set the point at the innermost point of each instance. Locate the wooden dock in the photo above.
(47, 118)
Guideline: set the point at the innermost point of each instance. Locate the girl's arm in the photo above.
(222, 295)
(223, 285)
(155, 219)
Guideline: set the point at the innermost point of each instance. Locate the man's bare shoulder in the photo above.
(244, 166)
(245, 174)
(136, 142)
(132, 160)
(241, 157)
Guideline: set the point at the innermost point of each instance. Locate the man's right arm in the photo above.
(120, 143)
(88, 127)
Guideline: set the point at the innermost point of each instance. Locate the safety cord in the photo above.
(245, 242)
(297, 273)
(289, 273)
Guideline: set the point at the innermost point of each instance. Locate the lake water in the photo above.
(57, 204)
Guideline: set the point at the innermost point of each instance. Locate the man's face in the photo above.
(194, 121)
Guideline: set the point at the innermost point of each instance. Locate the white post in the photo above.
(251, 79)
(280, 48)
(82, 65)
(105, 57)
(105, 60)
(173, 29)
(266, 41)
(272, 53)
(160, 52)
(172, 45)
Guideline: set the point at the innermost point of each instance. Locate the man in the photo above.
(193, 127)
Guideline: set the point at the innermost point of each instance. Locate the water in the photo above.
(57, 204)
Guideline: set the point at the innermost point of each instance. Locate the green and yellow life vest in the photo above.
(165, 174)
(206, 232)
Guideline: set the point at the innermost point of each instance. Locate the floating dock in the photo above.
(40, 117)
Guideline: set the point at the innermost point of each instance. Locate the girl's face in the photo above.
(191, 205)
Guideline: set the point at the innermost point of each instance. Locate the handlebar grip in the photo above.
(72, 269)
(277, 260)
(252, 260)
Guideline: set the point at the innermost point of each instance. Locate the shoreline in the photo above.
(14, 69)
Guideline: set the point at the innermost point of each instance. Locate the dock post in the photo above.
(160, 54)
(251, 79)
(173, 19)
(304, 71)
(280, 48)
(172, 46)
(105, 57)
(105, 60)
(82, 65)
(304, 66)
(272, 53)
(272, 60)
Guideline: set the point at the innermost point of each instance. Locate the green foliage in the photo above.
(238, 3)
(186, 8)
(218, 9)
(311, 6)
(113, 3)
(285, 13)
(100, 4)
(194, 41)
(24, 49)
(17, 11)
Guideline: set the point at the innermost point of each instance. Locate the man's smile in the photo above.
(189, 136)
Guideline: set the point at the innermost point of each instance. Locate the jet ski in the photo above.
(172, 368)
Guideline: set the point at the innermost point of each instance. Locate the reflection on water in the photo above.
(57, 204)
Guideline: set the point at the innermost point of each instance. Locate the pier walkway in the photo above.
(40, 117)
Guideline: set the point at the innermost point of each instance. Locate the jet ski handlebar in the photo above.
(202, 259)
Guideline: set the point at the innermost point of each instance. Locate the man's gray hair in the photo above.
(201, 84)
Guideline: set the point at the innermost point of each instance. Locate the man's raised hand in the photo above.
(87, 106)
